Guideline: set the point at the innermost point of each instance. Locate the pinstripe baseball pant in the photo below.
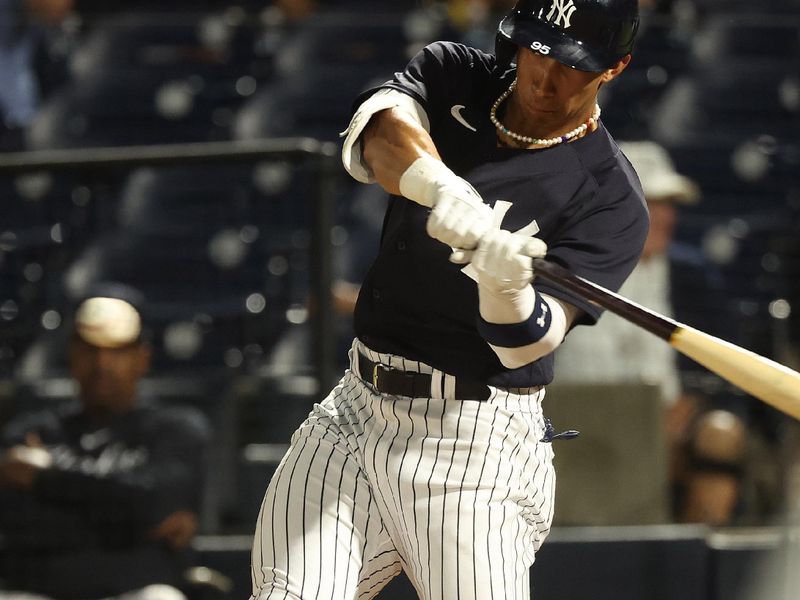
(459, 494)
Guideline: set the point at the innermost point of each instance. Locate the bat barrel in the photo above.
(759, 376)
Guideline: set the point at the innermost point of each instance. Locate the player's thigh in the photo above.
(476, 499)
(319, 533)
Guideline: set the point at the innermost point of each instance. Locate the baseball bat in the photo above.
(765, 379)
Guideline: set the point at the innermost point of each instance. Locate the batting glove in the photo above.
(504, 260)
(459, 217)
(519, 324)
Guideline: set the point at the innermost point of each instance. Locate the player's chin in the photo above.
(102, 396)
(544, 107)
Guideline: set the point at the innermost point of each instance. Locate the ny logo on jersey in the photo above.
(499, 211)
(560, 13)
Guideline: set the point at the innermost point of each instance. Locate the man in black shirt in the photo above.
(100, 499)
(432, 455)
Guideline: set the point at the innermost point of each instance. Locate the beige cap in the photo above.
(108, 322)
(660, 180)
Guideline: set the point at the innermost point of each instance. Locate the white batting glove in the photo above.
(504, 263)
(459, 217)
(504, 260)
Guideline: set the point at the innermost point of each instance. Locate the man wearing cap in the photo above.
(100, 499)
(706, 450)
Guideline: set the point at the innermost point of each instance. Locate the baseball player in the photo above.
(432, 454)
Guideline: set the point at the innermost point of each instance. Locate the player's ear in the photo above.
(614, 71)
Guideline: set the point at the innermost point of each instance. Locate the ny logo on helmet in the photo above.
(561, 13)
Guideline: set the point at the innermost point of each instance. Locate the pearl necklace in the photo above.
(580, 130)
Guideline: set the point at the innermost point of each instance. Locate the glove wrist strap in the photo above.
(506, 305)
(420, 181)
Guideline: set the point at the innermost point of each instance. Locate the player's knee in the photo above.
(719, 438)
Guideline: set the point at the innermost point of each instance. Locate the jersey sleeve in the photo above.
(438, 67)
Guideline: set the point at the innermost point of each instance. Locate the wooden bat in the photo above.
(765, 379)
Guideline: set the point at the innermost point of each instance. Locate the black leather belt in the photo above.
(396, 382)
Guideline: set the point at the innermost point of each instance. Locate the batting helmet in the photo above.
(589, 35)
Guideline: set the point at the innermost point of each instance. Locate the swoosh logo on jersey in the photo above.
(456, 112)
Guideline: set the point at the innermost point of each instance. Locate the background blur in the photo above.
(223, 251)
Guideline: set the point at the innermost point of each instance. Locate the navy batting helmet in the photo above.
(589, 35)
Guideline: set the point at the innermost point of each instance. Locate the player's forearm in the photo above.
(388, 141)
(387, 113)
(392, 142)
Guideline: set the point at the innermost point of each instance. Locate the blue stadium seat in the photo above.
(746, 8)
(185, 201)
(660, 56)
(214, 44)
(736, 107)
(736, 175)
(341, 39)
(134, 109)
(753, 35)
(215, 304)
(271, 196)
(313, 102)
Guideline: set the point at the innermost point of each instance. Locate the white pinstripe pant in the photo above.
(457, 493)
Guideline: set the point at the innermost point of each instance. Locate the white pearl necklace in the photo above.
(538, 141)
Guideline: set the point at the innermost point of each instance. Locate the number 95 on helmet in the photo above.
(588, 35)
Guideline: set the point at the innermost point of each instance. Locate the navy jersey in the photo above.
(583, 199)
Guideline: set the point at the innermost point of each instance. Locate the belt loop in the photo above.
(449, 387)
(436, 385)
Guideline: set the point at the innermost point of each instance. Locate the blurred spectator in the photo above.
(471, 22)
(22, 23)
(101, 499)
(706, 446)
(295, 11)
(475, 21)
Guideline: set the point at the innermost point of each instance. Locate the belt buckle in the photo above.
(375, 370)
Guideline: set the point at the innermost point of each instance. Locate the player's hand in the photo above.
(177, 529)
(20, 465)
(504, 260)
(459, 217)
